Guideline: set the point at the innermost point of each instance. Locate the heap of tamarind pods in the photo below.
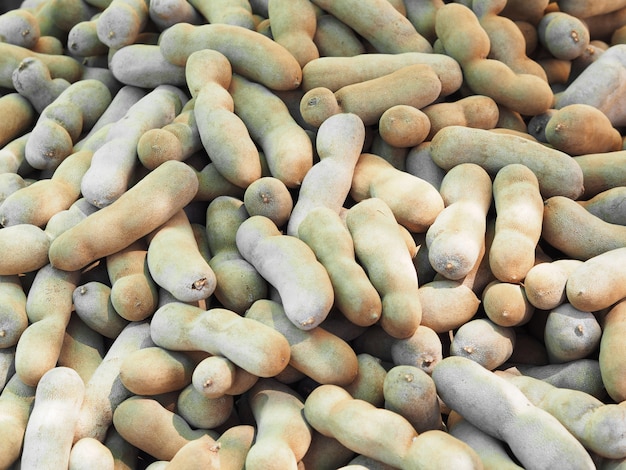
(312, 234)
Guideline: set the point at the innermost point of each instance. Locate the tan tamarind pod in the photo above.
(267, 351)
(447, 304)
(369, 381)
(234, 444)
(49, 308)
(286, 146)
(203, 451)
(125, 455)
(63, 220)
(83, 40)
(423, 349)
(355, 296)
(16, 404)
(104, 391)
(60, 66)
(325, 452)
(571, 334)
(32, 80)
(552, 167)
(290, 266)
(594, 285)
(202, 412)
(422, 16)
(138, 419)
(175, 262)
(174, 183)
(601, 171)
(492, 452)
(333, 38)
(507, 41)
(477, 111)
(484, 342)
(155, 370)
(403, 126)
(317, 353)
(14, 319)
(19, 116)
(293, 26)
(121, 22)
(26, 248)
(506, 303)
(456, 238)
(166, 13)
(48, 442)
(134, 293)
(265, 61)
(82, 348)
(565, 36)
(565, 131)
(375, 177)
(92, 303)
(90, 450)
(20, 27)
(215, 376)
(410, 392)
(504, 412)
(12, 158)
(283, 434)
(337, 72)
(379, 23)
(607, 205)
(515, 192)
(391, 271)
(155, 70)
(338, 143)
(544, 284)
(417, 85)
(610, 359)
(236, 13)
(113, 163)
(270, 197)
(568, 227)
(238, 283)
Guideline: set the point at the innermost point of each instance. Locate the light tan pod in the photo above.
(16, 404)
(380, 247)
(25, 249)
(370, 379)
(506, 304)
(13, 318)
(571, 334)
(50, 430)
(90, 453)
(545, 282)
(477, 111)
(293, 26)
(447, 304)
(484, 342)
(92, 304)
(423, 349)
(202, 412)
(519, 219)
(215, 376)
(608, 205)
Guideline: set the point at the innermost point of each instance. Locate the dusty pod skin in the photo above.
(447, 304)
(611, 361)
(508, 44)
(26, 248)
(203, 451)
(410, 392)
(154, 70)
(20, 115)
(379, 23)
(134, 293)
(265, 61)
(484, 342)
(404, 126)
(601, 171)
(565, 36)
(544, 284)
(290, 266)
(556, 171)
(16, 404)
(416, 85)
(267, 352)
(283, 435)
(456, 238)
(236, 13)
(215, 376)
(506, 303)
(525, 93)
(173, 183)
(422, 16)
(471, 111)
(607, 205)
(505, 413)
(175, 262)
(234, 154)
(579, 129)
(390, 270)
(336, 72)
(571, 334)
(592, 421)
(423, 349)
(334, 38)
(338, 142)
(32, 80)
(605, 73)
(91, 450)
(355, 296)
(48, 442)
(166, 13)
(121, 22)
(82, 348)
(493, 452)
(317, 353)
(415, 202)
(138, 419)
(576, 232)
(13, 319)
(515, 191)
(20, 27)
(286, 146)
(202, 412)
(270, 197)
(293, 26)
